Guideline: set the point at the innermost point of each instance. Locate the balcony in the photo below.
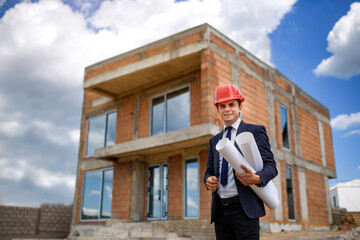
(167, 142)
(145, 72)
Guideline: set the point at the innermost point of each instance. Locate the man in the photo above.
(235, 208)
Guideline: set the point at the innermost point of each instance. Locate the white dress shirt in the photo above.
(230, 189)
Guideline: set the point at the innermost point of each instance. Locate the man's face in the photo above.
(229, 111)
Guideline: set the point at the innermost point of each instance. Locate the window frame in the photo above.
(292, 193)
(192, 159)
(106, 130)
(100, 197)
(287, 127)
(165, 126)
(163, 188)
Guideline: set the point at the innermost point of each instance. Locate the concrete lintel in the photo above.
(97, 102)
(199, 134)
(146, 63)
(318, 115)
(91, 164)
(290, 159)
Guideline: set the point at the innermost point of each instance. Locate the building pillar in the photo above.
(279, 211)
(137, 190)
(328, 201)
(322, 143)
(303, 195)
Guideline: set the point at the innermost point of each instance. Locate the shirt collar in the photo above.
(235, 124)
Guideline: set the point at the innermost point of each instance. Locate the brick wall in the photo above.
(45, 221)
(55, 218)
(125, 120)
(175, 187)
(205, 195)
(309, 136)
(318, 212)
(254, 106)
(121, 191)
(329, 152)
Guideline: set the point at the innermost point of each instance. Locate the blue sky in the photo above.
(45, 46)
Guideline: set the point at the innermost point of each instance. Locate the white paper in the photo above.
(267, 194)
(249, 149)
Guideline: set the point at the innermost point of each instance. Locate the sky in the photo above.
(46, 44)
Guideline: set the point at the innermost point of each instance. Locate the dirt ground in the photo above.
(302, 235)
(314, 235)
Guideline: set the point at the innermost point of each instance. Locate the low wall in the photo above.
(48, 220)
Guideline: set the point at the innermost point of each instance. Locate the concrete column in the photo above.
(295, 125)
(279, 211)
(235, 75)
(137, 190)
(328, 201)
(322, 143)
(303, 195)
(271, 110)
(137, 115)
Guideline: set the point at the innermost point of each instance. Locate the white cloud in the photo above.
(20, 169)
(353, 132)
(44, 52)
(12, 128)
(57, 134)
(345, 121)
(246, 22)
(2, 2)
(343, 43)
(192, 203)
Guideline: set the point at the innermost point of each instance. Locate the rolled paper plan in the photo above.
(267, 194)
(249, 149)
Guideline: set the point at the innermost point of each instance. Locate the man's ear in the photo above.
(240, 107)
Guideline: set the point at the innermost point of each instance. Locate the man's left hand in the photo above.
(248, 177)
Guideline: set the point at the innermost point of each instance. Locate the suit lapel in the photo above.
(217, 155)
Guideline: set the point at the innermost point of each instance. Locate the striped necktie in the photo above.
(224, 165)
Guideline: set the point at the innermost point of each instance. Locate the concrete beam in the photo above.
(146, 63)
(187, 137)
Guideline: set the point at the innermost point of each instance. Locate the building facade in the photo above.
(147, 118)
(346, 195)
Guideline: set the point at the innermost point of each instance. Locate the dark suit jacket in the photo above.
(252, 204)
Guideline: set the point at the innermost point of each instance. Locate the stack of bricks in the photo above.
(18, 220)
(55, 218)
(26, 221)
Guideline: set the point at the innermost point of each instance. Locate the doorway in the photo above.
(157, 192)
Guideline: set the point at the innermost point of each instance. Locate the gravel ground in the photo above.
(353, 234)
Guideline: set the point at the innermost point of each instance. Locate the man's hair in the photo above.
(238, 100)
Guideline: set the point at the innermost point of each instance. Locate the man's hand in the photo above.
(248, 177)
(212, 183)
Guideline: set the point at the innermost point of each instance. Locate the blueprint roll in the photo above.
(267, 194)
(249, 149)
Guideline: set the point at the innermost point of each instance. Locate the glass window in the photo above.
(170, 111)
(290, 192)
(191, 188)
(101, 132)
(157, 203)
(284, 127)
(97, 195)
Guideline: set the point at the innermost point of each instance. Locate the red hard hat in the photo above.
(227, 92)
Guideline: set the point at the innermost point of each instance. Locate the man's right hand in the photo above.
(212, 183)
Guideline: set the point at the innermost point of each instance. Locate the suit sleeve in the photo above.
(210, 163)
(269, 170)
